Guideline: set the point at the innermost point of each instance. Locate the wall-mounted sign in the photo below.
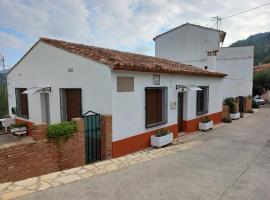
(173, 105)
(156, 79)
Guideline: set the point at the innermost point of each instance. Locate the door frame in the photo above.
(180, 113)
(62, 94)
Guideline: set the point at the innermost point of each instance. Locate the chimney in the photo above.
(212, 60)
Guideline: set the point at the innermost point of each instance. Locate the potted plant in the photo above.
(18, 129)
(161, 138)
(231, 103)
(205, 124)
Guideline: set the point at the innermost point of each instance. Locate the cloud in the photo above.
(122, 24)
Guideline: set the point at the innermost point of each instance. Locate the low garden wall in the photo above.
(41, 156)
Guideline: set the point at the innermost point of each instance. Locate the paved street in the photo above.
(232, 162)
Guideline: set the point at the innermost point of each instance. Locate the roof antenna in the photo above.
(217, 20)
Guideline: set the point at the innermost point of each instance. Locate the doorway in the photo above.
(45, 107)
(71, 104)
(180, 111)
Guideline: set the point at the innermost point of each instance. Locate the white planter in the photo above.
(235, 115)
(161, 141)
(205, 126)
(19, 131)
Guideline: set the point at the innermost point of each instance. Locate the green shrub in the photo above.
(205, 119)
(255, 104)
(162, 132)
(61, 131)
(231, 103)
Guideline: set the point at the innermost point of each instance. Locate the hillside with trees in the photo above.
(261, 43)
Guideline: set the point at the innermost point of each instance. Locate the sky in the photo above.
(128, 25)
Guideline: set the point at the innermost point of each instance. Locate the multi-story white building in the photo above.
(202, 47)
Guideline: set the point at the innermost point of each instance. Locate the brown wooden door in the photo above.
(180, 111)
(74, 103)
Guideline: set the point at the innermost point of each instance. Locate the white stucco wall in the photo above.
(128, 108)
(237, 62)
(187, 43)
(48, 66)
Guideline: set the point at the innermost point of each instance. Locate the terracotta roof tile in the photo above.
(119, 60)
(262, 67)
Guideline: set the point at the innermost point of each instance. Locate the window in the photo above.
(202, 100)
(125, 84)
(156, 106)
(21, 103)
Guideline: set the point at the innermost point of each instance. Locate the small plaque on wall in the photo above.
(156, 79)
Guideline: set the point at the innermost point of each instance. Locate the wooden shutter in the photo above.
(22, 103)
(205, 99)
(73, 97)
(155, 106)
(151, 106)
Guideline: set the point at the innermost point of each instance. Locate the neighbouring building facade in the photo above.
(201, 47)
(56, 81)
(262, 68)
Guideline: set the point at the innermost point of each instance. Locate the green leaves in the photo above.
(61, 131)
(231, 103)
(162, 132)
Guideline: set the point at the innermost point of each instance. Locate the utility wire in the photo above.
(246, 11)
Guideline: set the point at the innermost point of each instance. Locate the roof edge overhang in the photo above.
(218, 75)
(222, 34)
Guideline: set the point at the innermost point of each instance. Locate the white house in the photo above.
(201, 47)
(57, 80)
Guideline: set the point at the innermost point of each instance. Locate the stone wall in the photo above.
(40, 156)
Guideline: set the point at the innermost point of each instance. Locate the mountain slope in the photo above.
(261, 42)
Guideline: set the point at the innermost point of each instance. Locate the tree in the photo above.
(3, 102)
(261, 82)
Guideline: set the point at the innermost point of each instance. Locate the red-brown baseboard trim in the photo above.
(192, 125)
(142, 141)
(137, 142)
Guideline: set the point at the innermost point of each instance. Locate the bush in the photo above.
(231, 103)
(61, 131)
(227, 120)
(254, 104)
(205, 120)
(162, 132)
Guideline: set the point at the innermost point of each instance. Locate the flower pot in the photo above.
(235, 115)
(161, 141)
(19, 131)
(205, 126)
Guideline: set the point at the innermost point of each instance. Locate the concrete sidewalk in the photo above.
(232, 162)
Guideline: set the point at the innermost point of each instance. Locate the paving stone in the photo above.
(87, 174)
(49, 176)
(106, 162)
(4, 185)
(72, 171)
(68, 178)
(89, 167)
(26, 182)
(43, 186)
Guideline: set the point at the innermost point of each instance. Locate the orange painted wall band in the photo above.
(142, 141)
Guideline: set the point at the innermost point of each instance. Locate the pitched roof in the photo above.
(119, 60)
(222, 34)
(263, 67)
